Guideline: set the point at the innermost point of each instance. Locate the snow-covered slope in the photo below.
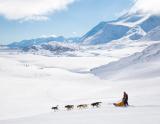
(103, 33)
(131, 25)
(142, 64)
(31, 84)
(150, 23)
(134, 33)
(153, 35)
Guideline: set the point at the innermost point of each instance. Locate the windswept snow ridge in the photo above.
(150, 56)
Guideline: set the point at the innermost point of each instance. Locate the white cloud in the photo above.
(31, 9)
(74, 33)
(147, 6)
(52, 35)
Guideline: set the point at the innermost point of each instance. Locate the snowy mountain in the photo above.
(131, 25)
(134, 33)
(137, 64)
(47, 45)
(103, 33)
(51, 48)
(153, 35)
(38, 41)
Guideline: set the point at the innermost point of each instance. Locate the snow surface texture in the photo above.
(31, 84)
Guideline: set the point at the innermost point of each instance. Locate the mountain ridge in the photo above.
(143, 23)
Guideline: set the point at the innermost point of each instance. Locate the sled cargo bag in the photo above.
(120, 104)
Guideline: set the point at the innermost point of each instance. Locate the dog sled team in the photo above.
(81, 106)
(123, 103)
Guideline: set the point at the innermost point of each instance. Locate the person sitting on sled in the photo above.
(124, 101)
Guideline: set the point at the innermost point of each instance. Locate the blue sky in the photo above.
(79, 17)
